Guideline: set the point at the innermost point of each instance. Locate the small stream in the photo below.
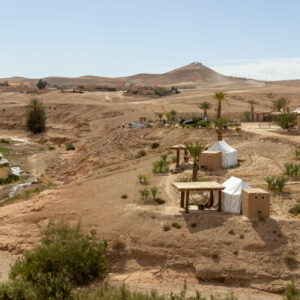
(16, 170)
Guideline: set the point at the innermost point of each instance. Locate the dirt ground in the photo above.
(88, 184)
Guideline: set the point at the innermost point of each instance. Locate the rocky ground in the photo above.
(87, 184)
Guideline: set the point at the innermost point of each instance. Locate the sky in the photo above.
(250, 38)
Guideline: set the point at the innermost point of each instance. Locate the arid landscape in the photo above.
(256, 258)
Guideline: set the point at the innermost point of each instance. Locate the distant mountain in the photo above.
(194, 73)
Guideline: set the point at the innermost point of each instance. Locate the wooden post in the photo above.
(187, 201)
(211, 199)
(182, 199)
(178, 158)
(220, 201)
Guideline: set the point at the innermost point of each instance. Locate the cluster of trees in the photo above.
(41, 84)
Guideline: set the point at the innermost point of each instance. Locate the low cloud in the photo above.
(262, 69)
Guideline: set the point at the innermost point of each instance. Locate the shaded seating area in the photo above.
(178, 148)
(186, 187)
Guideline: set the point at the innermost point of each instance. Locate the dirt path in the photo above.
(269, 132)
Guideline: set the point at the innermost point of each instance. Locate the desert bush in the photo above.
(124, 196)
(176, 225)
(291, 292)
(271, 183)
(166, 227)
(194, 225)
(242, 236)
(69, 146)
(235, 252)
(246, 116)
(292, 169)
(154, 190)
(142, 178)
(144, 194)
(297, 154)
(238, 128)
(287, 120)
(154, 145)
(174, 159)
(164, 157)
(161, 166)
(175, 89)
(161, 92)
(4, 141)
(231, 232)
(159, 201)
(41, 84)
(280, 183)
(141, 153)
(36, 116)
(215, 254)
(295, 210)
(51, 148)
(65, 258)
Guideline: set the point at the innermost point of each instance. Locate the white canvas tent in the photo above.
(232, 194)
(229, 154)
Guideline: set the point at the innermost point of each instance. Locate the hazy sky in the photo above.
(250, 38)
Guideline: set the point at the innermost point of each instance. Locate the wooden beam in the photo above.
(187, 201)
(182, 199)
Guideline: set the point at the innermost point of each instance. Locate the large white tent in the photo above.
(232, 194)
(229, 154)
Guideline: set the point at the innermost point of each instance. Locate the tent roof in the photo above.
(234, 186)
(222, 146)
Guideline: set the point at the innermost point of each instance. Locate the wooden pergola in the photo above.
(179, 148)
(186, 187)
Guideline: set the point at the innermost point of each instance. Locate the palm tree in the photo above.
(252, 102)
(160, 115)
(173, 114)
(280, 104)
(219, 96)
(195, 150)
(168, 116)
(205, 106)
(36, 116)
(219, 125)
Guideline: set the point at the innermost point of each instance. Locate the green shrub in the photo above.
(144, 194)
(194, 225)
(297, 154)
(154, 145)
(174, 159)
(154, 190)
(271, 183)
(295, 210)
(18, 290)
(287, 120)
(65, 258)
(69, 146)
(242, 236)
(124, 196)
(161, 166)
(36, 116)
(176, 225)
(280, 183)
(161, 92)
(51, 148)
(238, 128)
(235, 252)
(291, 292)
(292, 169)
(166, 227)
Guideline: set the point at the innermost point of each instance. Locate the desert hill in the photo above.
(194, 73)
